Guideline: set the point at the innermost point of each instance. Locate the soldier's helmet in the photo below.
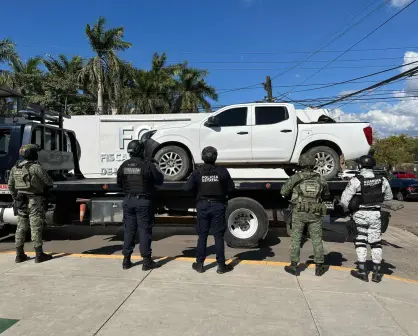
(136, 148)
(366, 161)
(307, 161)
(29, 152)
(209, 154)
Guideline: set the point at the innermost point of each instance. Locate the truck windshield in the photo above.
(4, 141)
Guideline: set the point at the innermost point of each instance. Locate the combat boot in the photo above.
(41, 256)
(292, 269)
(149, 264)
(320, 269)
(126, 263)
(224, 268)
(198, 267)
(361, 272)
(20, 255)
(376, 276)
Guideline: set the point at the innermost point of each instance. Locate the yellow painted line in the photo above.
(245, 262)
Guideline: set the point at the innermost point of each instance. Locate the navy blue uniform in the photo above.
(138, 178)
(212, 184)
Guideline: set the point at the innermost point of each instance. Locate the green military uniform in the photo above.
(307, 189)
(27, 183)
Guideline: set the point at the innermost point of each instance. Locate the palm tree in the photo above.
(192, 90)
(103, 69)
(8, 52)
(153, 90)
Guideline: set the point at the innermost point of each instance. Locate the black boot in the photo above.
(361, 272)
(41, 256)
(224, 268)
(126, 264)
(149, 264)
(292, 269)
(376, 276)
(198, 267)
(20, 255)
(320, 269)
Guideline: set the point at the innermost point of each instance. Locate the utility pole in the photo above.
(269, 89)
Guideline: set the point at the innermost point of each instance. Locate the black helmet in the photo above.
(209, 154)
(366, 161)
(29, 152)
(136, 148)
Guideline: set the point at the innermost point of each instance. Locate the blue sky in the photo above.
(226, 36)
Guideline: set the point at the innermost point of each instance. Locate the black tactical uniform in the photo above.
(138, 178)
(212, 185)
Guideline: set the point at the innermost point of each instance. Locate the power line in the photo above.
(357, 43)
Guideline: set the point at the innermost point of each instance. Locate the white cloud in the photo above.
(346, 92)
(399, 3)
(390, 118)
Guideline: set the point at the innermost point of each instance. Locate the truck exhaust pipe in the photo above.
(7, 216)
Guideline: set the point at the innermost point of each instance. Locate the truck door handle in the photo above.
(241, 133)
(286, 131)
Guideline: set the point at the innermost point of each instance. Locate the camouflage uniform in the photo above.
(27, 183)
(308, 209)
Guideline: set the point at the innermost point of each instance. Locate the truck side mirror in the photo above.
(212, 122)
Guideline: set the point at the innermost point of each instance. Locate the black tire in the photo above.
(324, 149)
(234, 205)
(7, 229)
(399, 196)
(185, 159)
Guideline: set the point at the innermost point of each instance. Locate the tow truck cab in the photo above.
(59, 147)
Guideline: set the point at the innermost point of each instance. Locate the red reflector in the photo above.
(368, 133)
(410, 188)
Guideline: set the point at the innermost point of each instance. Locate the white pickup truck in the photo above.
(257, 135)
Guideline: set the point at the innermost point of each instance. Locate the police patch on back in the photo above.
(372, 182)
(210, 178)
(132, 170)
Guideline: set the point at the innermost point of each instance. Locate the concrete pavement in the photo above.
(91, 295)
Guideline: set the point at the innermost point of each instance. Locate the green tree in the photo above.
(193, 91)
(8, 53)
(103, 70)
(393, 151)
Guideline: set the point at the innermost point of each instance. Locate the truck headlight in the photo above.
(147, 135)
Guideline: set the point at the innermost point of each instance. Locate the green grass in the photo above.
(6, 324)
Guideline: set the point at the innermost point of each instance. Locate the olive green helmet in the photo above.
(307, 161)
(29, 152)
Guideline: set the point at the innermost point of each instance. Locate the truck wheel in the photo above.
(247, 223)
(328, 161)
(174, 163)
(399, 196)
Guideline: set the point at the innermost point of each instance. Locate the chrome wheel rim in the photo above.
(171, 163)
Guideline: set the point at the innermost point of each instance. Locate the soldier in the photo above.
(138, 177)
(212, 184)
(28, 182)
(308, 190)
(366, 192)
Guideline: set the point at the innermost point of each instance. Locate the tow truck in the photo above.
(74, 199)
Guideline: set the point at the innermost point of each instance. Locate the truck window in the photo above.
(233, 117)
(268, 115)
(4, 141)
(51, 139)
(36, 137)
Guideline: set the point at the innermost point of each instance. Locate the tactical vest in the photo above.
(134, 180)
(308, 195)
(371, 194)
(210, 183)
(25, 181)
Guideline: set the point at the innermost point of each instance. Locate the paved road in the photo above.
(400, 245)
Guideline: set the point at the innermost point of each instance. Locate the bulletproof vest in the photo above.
(24, 180)
(371, 193)
(308, 194)
(210, 183)
(134, 180)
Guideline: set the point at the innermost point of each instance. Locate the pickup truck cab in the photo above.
(257, 135)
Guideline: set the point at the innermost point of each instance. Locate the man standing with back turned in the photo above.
(212, 184)
(308, 190)
(363, 197)
(28, 182)
(138, 177)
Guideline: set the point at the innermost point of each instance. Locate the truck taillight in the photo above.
(410, 189)
(368, 133)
